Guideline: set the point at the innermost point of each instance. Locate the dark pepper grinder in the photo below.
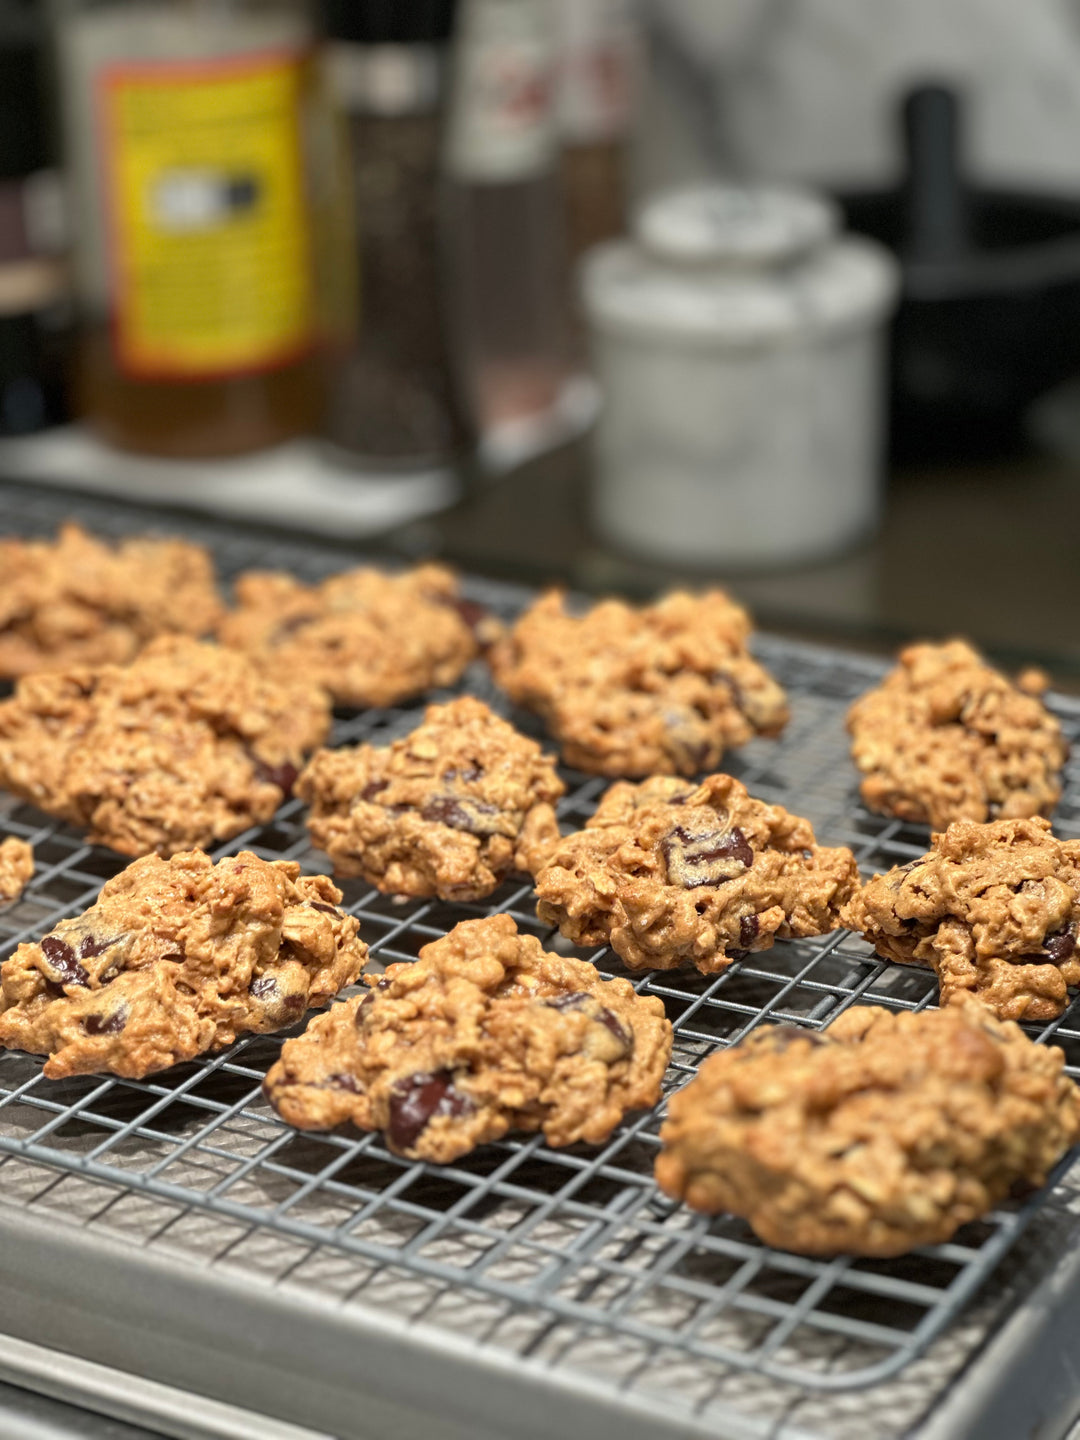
(392, 401)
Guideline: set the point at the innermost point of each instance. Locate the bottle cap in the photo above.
(388, 22)
(24, 143)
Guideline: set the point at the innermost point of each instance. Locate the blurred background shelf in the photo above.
(989, 551)
(300, 484)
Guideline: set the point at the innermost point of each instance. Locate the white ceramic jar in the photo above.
(738, 340)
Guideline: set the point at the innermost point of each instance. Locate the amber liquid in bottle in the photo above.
(219, 417)
(191, 127)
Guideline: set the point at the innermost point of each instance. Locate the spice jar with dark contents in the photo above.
(390, 394)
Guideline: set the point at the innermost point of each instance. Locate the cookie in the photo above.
(669, 874)
(882, 1133)
(993, 909)
(367, 637)
(175, 958)
(185, 747)
(662, 690)
(483, 1034)
(16, 868)
(944, 737)
(77, 600)
(449, 810)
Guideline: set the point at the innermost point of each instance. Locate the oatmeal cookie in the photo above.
(884, 1132)
(367, 637)
(993, 909)
(79, 601)
(484, 1033)
(661, 690)
(672, 874)
(944, 737)
(448, 810)
(187, 746)
(175, 958)
(16, 868)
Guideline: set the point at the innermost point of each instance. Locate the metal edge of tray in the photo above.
(276, 1351)
(985, 1402)
(46, 1394)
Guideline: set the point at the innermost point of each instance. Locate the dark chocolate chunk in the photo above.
(373, 788)
(738, 699)
(362, 1009)
(582, 1000)
(748, 930)
(283, 775)
(106, 1024)
(90, 946)
(573, 1000)
(896, 878)
(611, 1021)
(465, 813)
(262, 985)
(66, 970)
(473, 614)
(1061, 946)
(415, 1101)
(467, 773)
(781, 1036)
(290, 626)
(710, 857)
(344, 1082)
(326, 909)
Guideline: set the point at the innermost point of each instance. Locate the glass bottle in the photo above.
(506, 282)
(390, 392)
(192, 129)
(598, 60)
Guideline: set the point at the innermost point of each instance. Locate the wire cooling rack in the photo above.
(559, 1253)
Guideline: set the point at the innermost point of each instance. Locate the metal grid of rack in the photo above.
(556, 1248)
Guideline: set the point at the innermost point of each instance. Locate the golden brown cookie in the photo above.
(448, 810)
(944, 737)
(187, 746)
(663, 690)
(993, 909)
(77, 600)
(175, 958)
(368, 637)
(483, 1034)
(16, 868)
(882, 1133)
(669, 874)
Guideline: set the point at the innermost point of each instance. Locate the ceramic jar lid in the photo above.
(737, 265)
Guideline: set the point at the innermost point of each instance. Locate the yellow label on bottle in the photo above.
(209, 234)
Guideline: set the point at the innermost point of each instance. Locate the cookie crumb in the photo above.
(16, 868)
